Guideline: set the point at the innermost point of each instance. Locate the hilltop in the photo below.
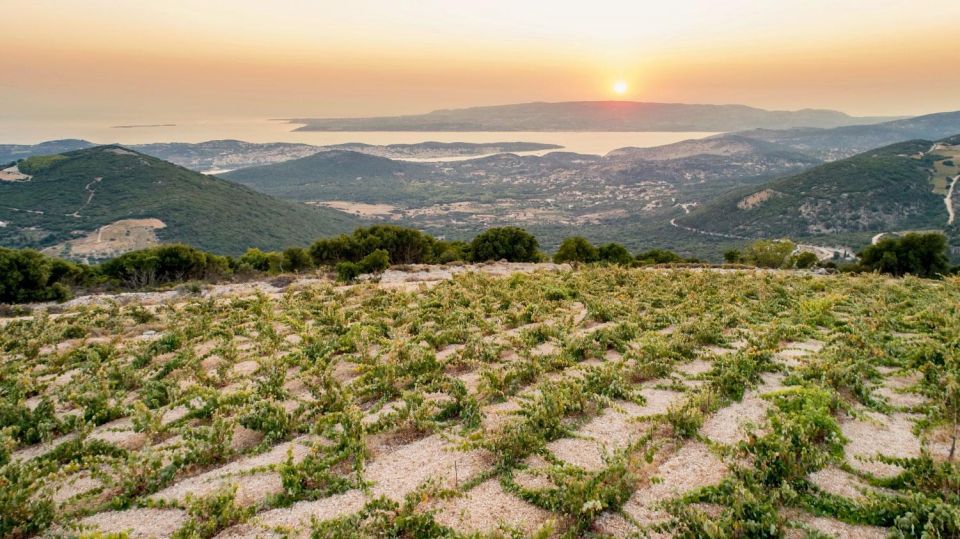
(14, 152)
(592, 116)
(70, 196)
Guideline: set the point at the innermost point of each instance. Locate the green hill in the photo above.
(66, 196)
(887, 189)
(337, 174)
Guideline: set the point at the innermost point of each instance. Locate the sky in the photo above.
(137, 61)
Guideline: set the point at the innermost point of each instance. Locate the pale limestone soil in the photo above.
(396, 468)
(833, 528)
(879, 434)
(692, 466)
(731, 424)
(487, 509)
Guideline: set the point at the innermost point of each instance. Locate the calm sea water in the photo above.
(260, 130)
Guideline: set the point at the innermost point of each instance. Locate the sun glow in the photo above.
(620, 87)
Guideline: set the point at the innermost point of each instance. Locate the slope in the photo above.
(72, 194)
(846, 141)
(337, 174)
(886, 189)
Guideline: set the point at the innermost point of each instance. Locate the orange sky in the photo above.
(175, 59)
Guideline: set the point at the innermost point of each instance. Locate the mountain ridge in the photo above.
(591, 116)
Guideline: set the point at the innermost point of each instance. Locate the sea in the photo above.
(266, 130)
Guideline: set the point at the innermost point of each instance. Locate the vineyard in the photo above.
(588, 403)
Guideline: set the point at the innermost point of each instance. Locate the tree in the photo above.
(347, 271)
(658, 256)
(328, 251)
(164, 264)
(804, 260)
(510, 243)
(769, 253)
(923, 255)
(296, 259)
(375, 262)
(27, 275)
(451, 251)
(576, 249)
(254, 259)
(615, 253)
(404, 245)
(732, 256)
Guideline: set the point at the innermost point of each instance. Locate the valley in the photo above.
(681, 196)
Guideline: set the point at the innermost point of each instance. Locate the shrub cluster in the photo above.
(27, 275)
(165, 264)
(579, 249)
(922, 255)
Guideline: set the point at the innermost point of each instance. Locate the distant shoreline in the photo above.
(136, 126)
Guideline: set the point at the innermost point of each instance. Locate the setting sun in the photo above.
(620, 87)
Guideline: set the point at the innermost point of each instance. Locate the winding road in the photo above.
(948, 200)
(823, 253)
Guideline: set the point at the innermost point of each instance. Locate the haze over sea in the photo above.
(260, 130)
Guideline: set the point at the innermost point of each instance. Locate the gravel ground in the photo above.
(486, 507)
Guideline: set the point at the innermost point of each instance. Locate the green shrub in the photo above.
(658, 256)
(804, 260)
(347, 271)
(258, 260)
(22, 513)
(803, 436)
(576, 249)
(212, 514)
(403, 246)
(375, 262)
(296, 259)
(165, 264)
(27, 275)
(505, 243)
(614, 253)
(922, 255)
(769, 253)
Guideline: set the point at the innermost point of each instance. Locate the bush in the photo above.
(732, 256)
(27, 275)
(923, 255)
(510, 243)
(614, 253)
(403, 246)
(255, 259)
(804, 260)
(375, 262)
(576, 249)
(658, 256)
(451, 251)
(769, 253)
(165, 264)
(347, 271)
(296, 259)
